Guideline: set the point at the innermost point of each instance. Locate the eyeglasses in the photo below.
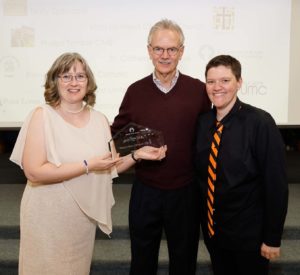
(160, 51)
(69, 77)
(221, 82)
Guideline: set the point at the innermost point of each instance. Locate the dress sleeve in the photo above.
(17, 153)
(51, 150)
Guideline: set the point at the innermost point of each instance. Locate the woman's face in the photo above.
(72, 85)
(222, 87)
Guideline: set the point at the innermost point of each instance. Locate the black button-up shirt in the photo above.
(251, 190)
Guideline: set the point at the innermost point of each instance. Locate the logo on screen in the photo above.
(223, 18)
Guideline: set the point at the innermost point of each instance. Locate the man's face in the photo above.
(165, 61)
(222, 87)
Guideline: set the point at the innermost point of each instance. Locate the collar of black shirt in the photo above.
(226, 121)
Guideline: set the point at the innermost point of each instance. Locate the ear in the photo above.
(181, 51)
(239, 83)
(149, 51)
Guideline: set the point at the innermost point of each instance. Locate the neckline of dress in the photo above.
(69, 123)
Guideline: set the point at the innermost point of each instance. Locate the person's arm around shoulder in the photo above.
(38, 169)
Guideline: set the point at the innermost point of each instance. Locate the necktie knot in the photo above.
(219, 126)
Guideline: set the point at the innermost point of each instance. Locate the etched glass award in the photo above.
(134, 136)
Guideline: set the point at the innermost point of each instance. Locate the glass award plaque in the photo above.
(134, 136)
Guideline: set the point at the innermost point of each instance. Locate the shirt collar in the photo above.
(160, 86)
(226, 121)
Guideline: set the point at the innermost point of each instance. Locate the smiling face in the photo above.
(73, 92)
(165, 64)
(222, 87)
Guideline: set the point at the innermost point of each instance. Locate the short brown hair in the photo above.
(62, 65)
(226, 61)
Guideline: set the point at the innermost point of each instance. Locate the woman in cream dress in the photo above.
(63, 149)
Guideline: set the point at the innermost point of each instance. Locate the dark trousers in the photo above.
(237, 262)
(176, 212)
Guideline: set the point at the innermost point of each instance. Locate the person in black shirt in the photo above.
(249, 202)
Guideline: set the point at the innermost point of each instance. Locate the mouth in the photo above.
(219, 94)
(165, 62)
(73, 91)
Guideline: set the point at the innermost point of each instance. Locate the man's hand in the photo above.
(151, 153)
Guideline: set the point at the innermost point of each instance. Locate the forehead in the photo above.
(165, 37)
(76, 66)
(219, 71)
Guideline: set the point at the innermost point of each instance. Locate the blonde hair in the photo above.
(62, 65)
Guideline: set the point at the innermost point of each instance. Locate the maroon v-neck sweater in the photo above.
(174, 114)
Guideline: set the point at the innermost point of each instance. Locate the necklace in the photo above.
(73, 112)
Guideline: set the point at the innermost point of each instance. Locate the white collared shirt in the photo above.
(161, 87)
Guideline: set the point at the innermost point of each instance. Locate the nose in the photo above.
(73, 80)
(217, 88)
(217, 85)
(165, 54)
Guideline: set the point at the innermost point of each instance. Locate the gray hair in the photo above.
(166, 24)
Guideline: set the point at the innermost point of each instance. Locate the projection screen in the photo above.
(112, 36)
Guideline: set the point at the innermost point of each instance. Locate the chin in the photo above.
(218, 105)
(165, 71)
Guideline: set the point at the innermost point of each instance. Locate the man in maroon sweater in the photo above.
(164, 195)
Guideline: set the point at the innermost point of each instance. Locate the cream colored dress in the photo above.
(58, 221)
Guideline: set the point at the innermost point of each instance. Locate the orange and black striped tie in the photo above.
(212, 167)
